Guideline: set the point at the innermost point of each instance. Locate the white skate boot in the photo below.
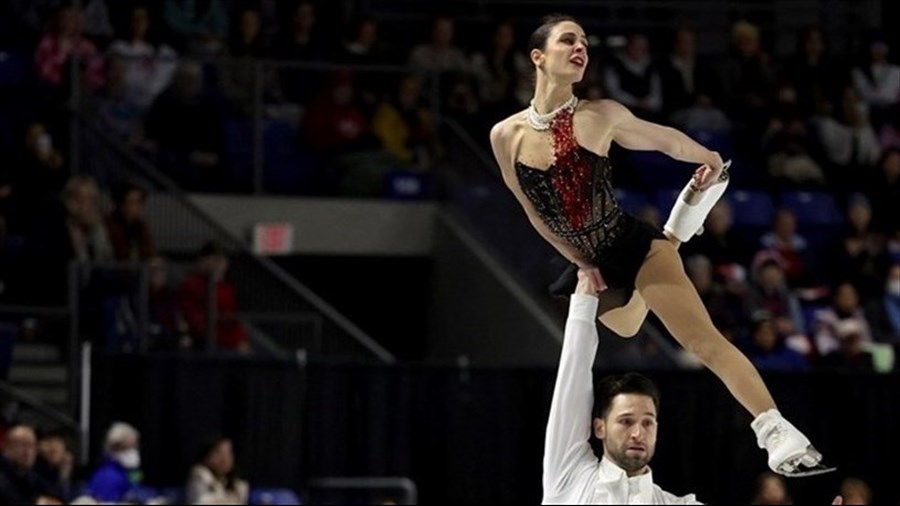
(692, 207)
(790, 452)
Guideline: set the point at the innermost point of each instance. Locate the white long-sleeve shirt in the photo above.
(572, 473)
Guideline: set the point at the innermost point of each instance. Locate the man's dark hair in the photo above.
(539, 37)
(609, 387)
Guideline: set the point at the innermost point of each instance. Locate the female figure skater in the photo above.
(553, 159)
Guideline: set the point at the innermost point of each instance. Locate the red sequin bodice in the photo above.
(574, 196)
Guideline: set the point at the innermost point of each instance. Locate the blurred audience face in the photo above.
(140, 23)
(189, 81)
(132, 206)
(504, 38)
(860, 215)
(879, 52)
(221, 460)
(785, 226)
(38, 141)
(772, 490)
(718, 222)
(250, 25)
(53, 450)
(685, 44)
(367, 35)
(21, 447)
(215, 265)
(846, 299)
(771, 276)
(638, 48)
(159, 274)
(71, 22)
(410, 93)
(892, 286)
(856, 491)
(746, 39)
(305, 17)
(890, 166)
(764, 336)
(442, 35)
(83, 202)
(814, 44)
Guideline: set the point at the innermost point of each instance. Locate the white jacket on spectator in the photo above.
(204, 488)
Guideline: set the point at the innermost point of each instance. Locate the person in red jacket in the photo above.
(194, 302)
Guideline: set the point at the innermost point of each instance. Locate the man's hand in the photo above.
(590, 281)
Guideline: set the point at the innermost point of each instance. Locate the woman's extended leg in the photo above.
(669, 293)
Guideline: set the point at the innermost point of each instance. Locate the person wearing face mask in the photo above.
(208, 280)
(118, 478)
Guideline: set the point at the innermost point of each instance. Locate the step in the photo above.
(38, 375)
(36, 353)
(48, 395)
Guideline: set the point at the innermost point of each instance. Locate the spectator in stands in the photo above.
(36, 179)
(199, 27)
(771, 490)
(405, 127)
(187, 130)
(789, 144)
(884, 311)
(856, 491)
(878, 81)
(768, 350)
(769, 292)
(439, 54)
(843, 318)
(633, 80)
(119, 476)
(503, 73)
(720, 243)
(63, 41)
(889, 136)
(861, 258)
(335, 123)
(885, 192)
(19, 483)
(363, 46)
(238, 74)
(168, 328)
(850, 352)
(89, 238)
(129, 232)
(790, 246)
(55, 462)
(96, 21)
(726, 309)
(685, 76)
(214, 479)
(301, 43)
(148, 67)
(747, 78)
(194, 302)
(813, 72)
(847, 137)
(702, 115)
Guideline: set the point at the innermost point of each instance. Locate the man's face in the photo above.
(21, 448)
(629, 432)
(53, 450)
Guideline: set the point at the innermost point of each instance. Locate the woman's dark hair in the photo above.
(121, 192)
(539, 38)
(632, 383)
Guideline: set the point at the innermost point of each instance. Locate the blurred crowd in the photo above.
(38, 467)
(803, 271)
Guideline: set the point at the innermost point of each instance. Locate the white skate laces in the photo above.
(790, 452)
(687, 218)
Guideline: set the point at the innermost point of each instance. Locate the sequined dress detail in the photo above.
(574, 196)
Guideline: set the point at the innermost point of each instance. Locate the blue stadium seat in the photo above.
(632, 202)
(817, 209)
(288, 169)
(13, 70)
(751, 209)
(239, 150)
(274, 496)
(405, 185)
(657, 170)
(722, 142)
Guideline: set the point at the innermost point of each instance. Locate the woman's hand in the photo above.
(708, 174)
(590, 281)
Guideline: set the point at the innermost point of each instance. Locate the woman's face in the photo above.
(221, 460)
(565, 55)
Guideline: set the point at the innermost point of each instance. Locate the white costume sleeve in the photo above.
(566, 447)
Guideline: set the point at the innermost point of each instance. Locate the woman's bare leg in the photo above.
(626, 321)
(667, 291)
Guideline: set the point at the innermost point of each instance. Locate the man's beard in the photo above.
(631, 464)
